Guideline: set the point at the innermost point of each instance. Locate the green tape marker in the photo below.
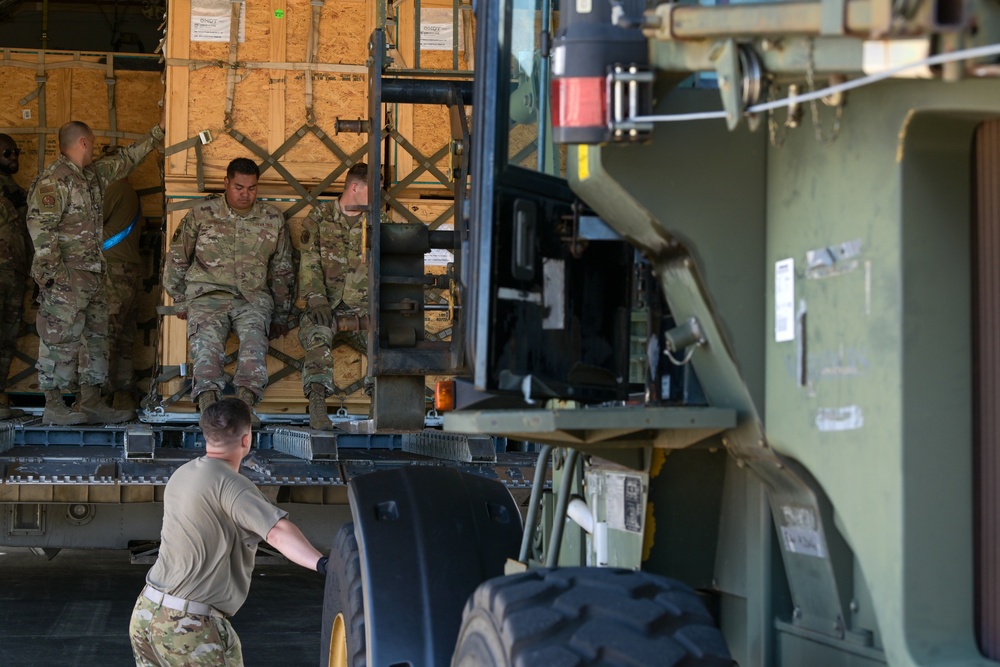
(279, 13)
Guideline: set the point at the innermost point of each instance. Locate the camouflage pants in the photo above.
(164, 637)
(11, 307)
(210, 320)
(72, 325)
(124, 282)
(318, 343)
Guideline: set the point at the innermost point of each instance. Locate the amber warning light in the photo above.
(444, 396)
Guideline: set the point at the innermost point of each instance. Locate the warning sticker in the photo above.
(211, 19)
(800, 532)
(437, 31)
(805, 541)
(624, 502)
(784, 300)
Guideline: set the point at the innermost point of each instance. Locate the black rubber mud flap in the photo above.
(427, 537)
(588, 616)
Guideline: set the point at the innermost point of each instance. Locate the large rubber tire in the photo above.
(578, 616)
(343, 599)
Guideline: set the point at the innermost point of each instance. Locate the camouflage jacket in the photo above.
(332, 268)
(65, 216)
(15, 246)
(217, 250)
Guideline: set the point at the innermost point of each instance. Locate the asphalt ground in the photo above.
(73, 611)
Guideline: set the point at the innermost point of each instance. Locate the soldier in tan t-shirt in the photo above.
(213, 520)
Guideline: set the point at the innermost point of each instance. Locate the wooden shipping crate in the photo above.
(75, 86)
(271, 97)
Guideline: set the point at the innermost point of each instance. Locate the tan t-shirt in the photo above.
(213, 519)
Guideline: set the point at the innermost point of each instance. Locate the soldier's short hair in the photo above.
(71, 132)
(242, 165)
(224, 422)
(357, 173)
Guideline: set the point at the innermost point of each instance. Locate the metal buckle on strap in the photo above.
(180, 604)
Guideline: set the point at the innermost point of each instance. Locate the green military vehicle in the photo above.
(783, 209)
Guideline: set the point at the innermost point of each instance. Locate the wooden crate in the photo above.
(269, 90)
(76, 88)
(428, 126)
(269, 104)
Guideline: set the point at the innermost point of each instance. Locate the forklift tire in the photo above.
(584, 616)
(343, 632)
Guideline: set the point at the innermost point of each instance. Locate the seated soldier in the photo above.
(217, 269)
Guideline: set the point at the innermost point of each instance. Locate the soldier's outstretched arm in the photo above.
(286, 537)
(113, 167)
(47, 201)
(179, 256)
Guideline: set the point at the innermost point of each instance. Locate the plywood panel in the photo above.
(269, 103)
(76, 89)
(428, 126)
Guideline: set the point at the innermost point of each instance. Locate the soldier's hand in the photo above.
(182, 314)
(322, 315)
(278, 329)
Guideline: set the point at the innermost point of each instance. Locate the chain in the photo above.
(821, 136)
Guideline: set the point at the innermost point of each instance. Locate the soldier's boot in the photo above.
(250, 399)
(7, 412)
(56, 412)
(97, 411)
(206, 398)
(318, 418)
(124, 400)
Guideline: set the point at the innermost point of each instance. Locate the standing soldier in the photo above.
(213, 520)
(66, 224)
(14, 255)
(332, 277)
(122, 229)
(217, 271)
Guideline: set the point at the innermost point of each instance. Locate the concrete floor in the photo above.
(74, 611)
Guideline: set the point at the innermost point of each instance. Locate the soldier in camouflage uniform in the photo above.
(217, 269)
(122, 229)
(66, 224)
(14, 263)
(213, 520)
(333, 276)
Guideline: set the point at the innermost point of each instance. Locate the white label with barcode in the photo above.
(784, 300)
